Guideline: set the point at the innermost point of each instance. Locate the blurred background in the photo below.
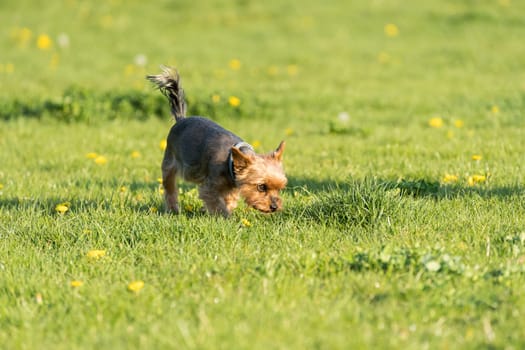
(382, 59)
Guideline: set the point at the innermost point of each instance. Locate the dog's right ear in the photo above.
(278, 153)
(240, 160)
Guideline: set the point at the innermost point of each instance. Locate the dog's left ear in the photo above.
(278, 153)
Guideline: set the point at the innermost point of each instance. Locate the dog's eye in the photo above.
(262, 188)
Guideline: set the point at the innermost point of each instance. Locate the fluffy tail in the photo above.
(169, 84)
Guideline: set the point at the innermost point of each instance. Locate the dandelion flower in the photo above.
(256, 144)
(475, 179)
(495, 109)
(235, 64)
(62, 208)
(292, 69)
(449, 178)
(76, 284)
(234, 101)
(458, 123)
(135, 154)
(43, 42)
(123, 189)
(163, 144)
(22, 36)
(153, 210)
(1, 187)
(436, 122)
(383, 57)
(476, 157)
(9, 68)
(246, 223)
(91, 155)
(55, 60)
(391, 30)
(288, 131)
(100, 160)
(96, 254)
(273, 70)
(135, 286)
(216, 98)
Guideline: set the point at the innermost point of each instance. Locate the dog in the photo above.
(222, 165)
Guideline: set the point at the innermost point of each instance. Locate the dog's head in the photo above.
(260, 178)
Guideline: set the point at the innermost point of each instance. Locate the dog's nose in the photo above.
(273, 207)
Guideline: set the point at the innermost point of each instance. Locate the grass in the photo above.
(393, 234)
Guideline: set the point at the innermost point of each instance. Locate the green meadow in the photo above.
(403, 224)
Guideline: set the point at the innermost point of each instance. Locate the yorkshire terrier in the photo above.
(221, 163)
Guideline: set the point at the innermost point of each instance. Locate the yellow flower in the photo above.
(436, 122)
(153, 210)
(43, 42)
(234, 101)
(495, 109)
(9, 68)
(101, 160)
(22, 36)
(288, 131)
(256, 144)
(235, 64)
(55, 60)
(1, 186)
(129, 69)
(135, 286)
(123, 189)
(163, 145)
(62, 208)
(273, 70)
(383, 57)
(292, 69)
(449, 178)
(475, 179)
(161, 189)
(76, 284)
(91, 155)
(106, 21)
(159, 180)
(96, 254)
(135, 154)
(246, 223)
(391, 30)
(476, 157)
(458, 123)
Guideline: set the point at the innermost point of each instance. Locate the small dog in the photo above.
(220, 162)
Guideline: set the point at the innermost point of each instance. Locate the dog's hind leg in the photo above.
(169, 175)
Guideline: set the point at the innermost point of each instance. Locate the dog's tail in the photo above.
(169, 84)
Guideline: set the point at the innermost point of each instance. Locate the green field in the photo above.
(404, 214)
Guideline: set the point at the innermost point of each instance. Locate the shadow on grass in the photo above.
(362, 202)
(419, 188)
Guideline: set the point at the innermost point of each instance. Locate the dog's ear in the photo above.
(240, 160)
(278, 153)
